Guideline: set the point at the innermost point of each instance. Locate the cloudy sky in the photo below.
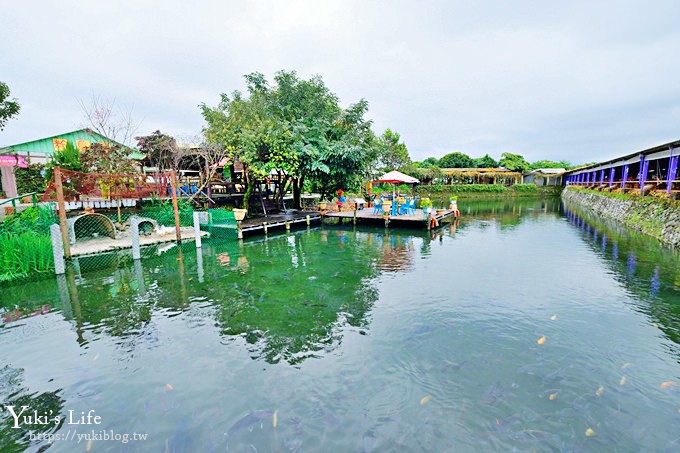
(577, 80)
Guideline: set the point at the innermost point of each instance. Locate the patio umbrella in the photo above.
(397, 177)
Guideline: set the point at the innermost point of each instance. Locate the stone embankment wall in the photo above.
(649, 216)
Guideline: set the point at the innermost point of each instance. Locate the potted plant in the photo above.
(426, 205)
(240, 214)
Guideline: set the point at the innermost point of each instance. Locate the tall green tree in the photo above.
(429, 162)
(456, 160)
(485, 161)
(514, 162)
(297, 128)
(8, 107)
(393, 154)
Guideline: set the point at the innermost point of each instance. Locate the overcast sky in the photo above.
(577, 80)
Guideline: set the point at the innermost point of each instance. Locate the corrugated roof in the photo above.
(45, 146)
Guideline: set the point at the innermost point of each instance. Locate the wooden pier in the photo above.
(277, 221)
(417, 220)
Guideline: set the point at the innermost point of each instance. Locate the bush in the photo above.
(524, 188)
(163, 213)
(37, 219)
(24, 255)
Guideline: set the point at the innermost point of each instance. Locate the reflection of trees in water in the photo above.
(645, 267)
(396, 253)
(12, 393)
(288, 297)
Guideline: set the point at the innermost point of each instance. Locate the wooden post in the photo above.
(354, 220)
(239, 231)
(63, 225)
(173, 181)
(265, 227)
(287, 225)
(307, 219)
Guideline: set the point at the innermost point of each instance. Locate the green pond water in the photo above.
(525, 327)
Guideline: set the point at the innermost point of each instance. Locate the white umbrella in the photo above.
(397, 177)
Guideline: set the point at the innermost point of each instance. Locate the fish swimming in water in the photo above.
(249, 420)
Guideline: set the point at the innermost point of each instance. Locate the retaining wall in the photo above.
(650, 216)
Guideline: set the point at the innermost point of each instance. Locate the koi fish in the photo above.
(169, 387)
(541, 340)
(667, 384)
(249, 420)
(590, 432)
(623, 380)
(425, 399)
(599, 391)
(553, 317)
(552, 396)
(275, 419)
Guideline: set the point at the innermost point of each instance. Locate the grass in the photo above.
(24, 255)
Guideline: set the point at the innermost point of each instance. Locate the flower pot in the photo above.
(240, 214)
(426, 210)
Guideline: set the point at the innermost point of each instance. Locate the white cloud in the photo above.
(579, 81)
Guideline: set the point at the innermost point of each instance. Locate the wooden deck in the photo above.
(417, 220)
(274, 221)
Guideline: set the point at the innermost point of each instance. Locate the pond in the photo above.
(526, 325)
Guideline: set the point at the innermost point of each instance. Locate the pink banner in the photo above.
(13, 161)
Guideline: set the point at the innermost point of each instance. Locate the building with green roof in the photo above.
(39, 151)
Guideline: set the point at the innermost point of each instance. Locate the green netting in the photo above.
(101, 237)
(25, 244)
(220, 223)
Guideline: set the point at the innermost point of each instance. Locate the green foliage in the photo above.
(163, 213)
(24, 255)
(430, 162)
(524, 188)
(68, 159)
(456, 160)
(25, 244)
(550, 164)
(296, 126)
(393, 154)
(36, 219)
(8, 107)
(514, 162)
(485, 161)
(30, 179)
(425, 203)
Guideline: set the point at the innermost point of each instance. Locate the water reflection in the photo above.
(646, 268)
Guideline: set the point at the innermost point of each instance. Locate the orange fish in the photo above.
(425, 399)
(169, 387)
(590, 432)
(541, 340)
(553, 396)
(667, 384)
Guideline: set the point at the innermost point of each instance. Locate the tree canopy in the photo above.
(485, 161)
(514, 162)
(295, 127)
(550, 164)
(393, 154)
(8, 107)
(456, 160)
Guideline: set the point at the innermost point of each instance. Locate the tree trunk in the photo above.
(250, 184)
(297, 192)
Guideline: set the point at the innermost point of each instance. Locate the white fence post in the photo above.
(134, 235)
(57, 249)
(197, 229)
